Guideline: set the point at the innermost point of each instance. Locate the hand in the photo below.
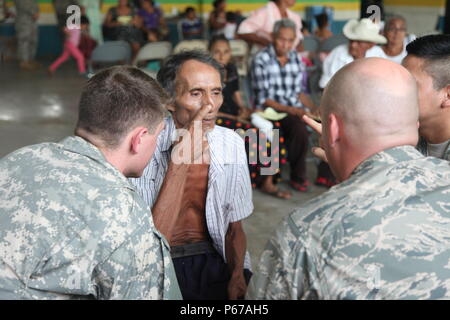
(237, 287)
(187, 149)
(319, 152)
(244, 114)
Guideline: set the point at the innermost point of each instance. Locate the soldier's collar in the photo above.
(388, 157)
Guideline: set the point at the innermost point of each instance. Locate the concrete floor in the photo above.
(37, 108)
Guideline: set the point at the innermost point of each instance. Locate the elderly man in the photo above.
(428, 60)
(71, 224)
(27, 14)
(383, 232)
(395, 33)
(362, 35)
(199, 188)
(278, 82)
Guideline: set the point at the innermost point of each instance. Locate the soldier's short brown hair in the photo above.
(118, 99)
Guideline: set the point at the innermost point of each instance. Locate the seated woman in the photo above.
(234, 115)
(153, 19)
(123, 23)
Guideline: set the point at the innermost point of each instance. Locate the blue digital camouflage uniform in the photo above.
(382, 234)
(73, 227)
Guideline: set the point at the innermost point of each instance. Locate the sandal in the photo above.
(302, 187)
(278, 193)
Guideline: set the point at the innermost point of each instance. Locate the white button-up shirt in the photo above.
(229, 196)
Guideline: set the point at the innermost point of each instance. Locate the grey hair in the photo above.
(284, 23)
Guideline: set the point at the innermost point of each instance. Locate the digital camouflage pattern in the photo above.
(382, 234)
(73, 227)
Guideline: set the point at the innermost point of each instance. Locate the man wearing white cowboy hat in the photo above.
(363, 35)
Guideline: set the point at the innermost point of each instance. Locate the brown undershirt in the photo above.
(191, 225)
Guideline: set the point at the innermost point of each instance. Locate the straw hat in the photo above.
(363, 30)
(271, 114)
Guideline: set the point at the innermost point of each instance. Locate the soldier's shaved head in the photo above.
(369, 105)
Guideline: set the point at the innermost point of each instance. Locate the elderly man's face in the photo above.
(430, 99)
(357, 49)
(197, 84)
(395, 32)
(284, 41)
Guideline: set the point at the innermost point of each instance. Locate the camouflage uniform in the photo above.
(26, 29)
(73, 227)
(382, 234)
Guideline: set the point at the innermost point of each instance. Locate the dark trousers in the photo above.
(296, 135)
(324, 171)
(204, 276)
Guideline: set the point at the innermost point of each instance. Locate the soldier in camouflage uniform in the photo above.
(27, 14)
(382, 233)
(428, 60)
(71, 225)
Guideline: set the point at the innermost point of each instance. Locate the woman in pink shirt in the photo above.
(257, 28)
(70, 49)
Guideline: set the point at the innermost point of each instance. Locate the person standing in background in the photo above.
(60, 7)
(257, 28)
(93, 13)
(27, 15)
(217, 18)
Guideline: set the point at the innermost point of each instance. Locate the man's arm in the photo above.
(254, 38)
(235, 248)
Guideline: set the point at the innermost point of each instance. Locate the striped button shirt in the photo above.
(272, 81)
(229, 196)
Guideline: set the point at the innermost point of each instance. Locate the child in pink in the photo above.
(70, 49)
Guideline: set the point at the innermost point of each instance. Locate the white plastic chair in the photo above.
(153, 51)
(191, 45)
(111, 52)
(240, 51)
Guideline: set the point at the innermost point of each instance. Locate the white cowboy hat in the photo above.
(363, 30)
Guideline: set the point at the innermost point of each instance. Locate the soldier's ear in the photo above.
(334, 130)
(137, 136)
(446, 101)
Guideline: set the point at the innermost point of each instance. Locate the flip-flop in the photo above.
(302, 187)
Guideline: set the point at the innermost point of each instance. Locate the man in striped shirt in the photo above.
(199, 187)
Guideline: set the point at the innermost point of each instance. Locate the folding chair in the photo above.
(311, 44)
(332, 42)
(187, 45)
(111, 52)
(153, 51)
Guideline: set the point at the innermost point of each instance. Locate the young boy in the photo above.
(191, 26)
